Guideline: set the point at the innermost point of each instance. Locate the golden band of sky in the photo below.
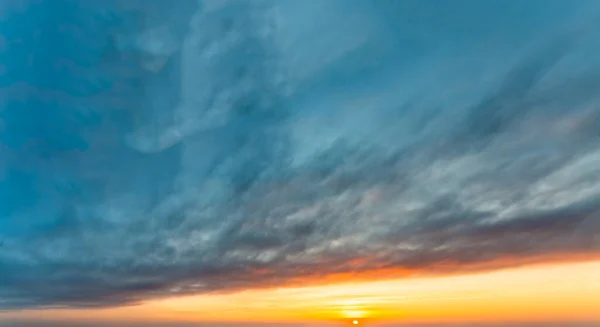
(550, 292)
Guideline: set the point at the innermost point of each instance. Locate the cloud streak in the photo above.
(248, 161)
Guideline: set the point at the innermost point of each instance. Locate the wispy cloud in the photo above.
(234, 167)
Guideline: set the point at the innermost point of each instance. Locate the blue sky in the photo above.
(171, 149)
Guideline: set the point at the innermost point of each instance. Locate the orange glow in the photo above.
(557, 292)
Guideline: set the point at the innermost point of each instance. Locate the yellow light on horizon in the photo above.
(534, 293)
(354, 313)
(511, 294)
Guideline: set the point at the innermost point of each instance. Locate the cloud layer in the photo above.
(152, 149)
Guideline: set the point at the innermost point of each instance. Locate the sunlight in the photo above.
(354, 313)
(519, 294)
(355, 307)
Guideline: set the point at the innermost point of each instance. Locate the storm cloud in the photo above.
(157, 148)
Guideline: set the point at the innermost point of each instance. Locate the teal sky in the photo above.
(160, 148)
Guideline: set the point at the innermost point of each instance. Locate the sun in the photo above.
(355, 316)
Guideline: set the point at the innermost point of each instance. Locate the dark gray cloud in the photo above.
(151, 149)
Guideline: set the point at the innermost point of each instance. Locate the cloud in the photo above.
(231, 167)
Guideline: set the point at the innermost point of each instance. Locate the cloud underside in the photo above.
(245, 161)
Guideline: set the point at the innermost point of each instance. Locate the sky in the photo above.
(299, 162)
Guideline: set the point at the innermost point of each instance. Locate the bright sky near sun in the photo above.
(550, 292)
